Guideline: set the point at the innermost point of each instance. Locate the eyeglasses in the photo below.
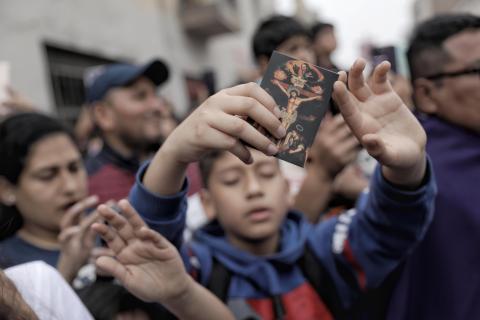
(454, 74)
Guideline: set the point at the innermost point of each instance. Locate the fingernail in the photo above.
(277, 112)
(281, 132)
(272, 149)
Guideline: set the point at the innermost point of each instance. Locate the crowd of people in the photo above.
(134, 214)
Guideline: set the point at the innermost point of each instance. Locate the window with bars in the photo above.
(66, 69)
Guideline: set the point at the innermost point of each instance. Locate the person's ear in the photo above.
(103, 115)
(208, 204)
(423, 92)
(7, 193)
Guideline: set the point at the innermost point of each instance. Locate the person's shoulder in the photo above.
(34, 274)
(13, 251)
(7, 243)
(17, 251)
(45, 290)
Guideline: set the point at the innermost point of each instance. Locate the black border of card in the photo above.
(303, 92)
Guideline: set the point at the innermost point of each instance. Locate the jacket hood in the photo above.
(264, 271)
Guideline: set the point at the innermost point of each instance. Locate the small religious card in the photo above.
(302, 91)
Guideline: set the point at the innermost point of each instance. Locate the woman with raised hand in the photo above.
(43, 194)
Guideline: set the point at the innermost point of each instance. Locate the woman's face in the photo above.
(52, 180)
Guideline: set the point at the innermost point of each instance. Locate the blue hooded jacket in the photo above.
(364, 244)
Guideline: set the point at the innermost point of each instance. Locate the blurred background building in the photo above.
(50, 43)
(424, 9)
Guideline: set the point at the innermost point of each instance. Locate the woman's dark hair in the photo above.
(18, 133)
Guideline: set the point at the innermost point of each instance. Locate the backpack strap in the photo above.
(219, 281)
(373, 302)
(312, 269)
(318, 277)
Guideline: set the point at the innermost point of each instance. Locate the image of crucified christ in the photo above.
(289, 114)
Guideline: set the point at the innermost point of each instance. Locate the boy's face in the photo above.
(250, 201)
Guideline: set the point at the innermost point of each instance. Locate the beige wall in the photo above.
(424, 9)
(136, 30)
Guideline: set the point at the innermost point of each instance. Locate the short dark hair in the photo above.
(320, 26)
(206, 165)
(425, 53)
(274, 31)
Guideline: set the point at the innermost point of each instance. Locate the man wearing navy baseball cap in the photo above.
(128, 113)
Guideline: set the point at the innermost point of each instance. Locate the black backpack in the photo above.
(374, 301)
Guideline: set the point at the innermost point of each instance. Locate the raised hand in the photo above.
(150, 267)
(145, 262)
(383, 124)
(334, 146)
(76, 238)
(219, 123)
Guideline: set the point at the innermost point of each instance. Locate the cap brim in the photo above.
(156, 70)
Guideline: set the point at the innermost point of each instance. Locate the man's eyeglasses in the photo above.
(453, 74)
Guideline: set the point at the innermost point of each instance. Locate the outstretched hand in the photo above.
(145, 263)
(219, 123)
(76, 238)
(382, 123)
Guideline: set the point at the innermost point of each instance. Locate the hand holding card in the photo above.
(302, 91)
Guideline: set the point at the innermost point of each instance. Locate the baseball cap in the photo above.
(100, 80)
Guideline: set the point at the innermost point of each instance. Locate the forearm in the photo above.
(409, 178)
(165, 175)
(389, 223)
(197, 303)
(165, 214)
(314, 193)
(68, 268)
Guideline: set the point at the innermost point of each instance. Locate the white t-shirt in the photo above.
(196, 217)
(46, 292)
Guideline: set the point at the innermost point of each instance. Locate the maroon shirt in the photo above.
(111, 175)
